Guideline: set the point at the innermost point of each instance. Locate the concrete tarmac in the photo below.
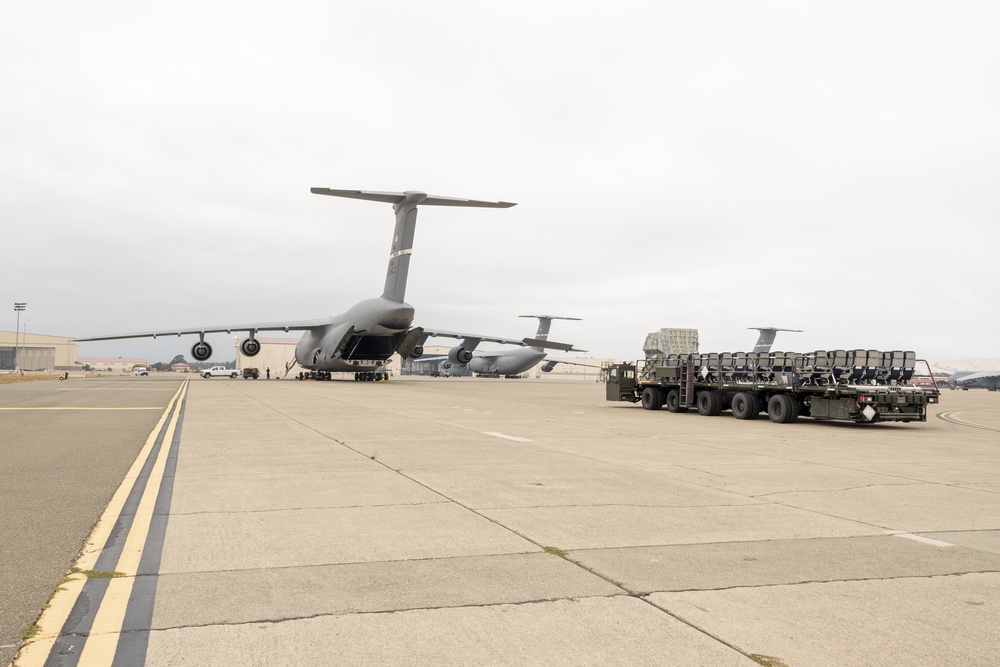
(501, 522)
(64, 448)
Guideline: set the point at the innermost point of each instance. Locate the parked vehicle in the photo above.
(219, 371)
(140, 370)
(862, 386)
(251, 374)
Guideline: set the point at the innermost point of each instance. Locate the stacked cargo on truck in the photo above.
(863, 386)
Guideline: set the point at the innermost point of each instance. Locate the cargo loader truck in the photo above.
(862, 386)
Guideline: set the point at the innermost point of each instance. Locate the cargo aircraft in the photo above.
(506, 363)
(989, 380)
(363, 338)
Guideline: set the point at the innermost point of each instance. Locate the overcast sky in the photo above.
(831, 167)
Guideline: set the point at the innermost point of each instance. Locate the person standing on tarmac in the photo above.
(268, 372)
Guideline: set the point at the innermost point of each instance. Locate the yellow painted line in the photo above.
(143, 407)
(102, 641)
(36, 651)
(947, 416)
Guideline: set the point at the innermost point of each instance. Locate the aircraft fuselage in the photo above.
(360, 339)
(509, 362)
(975, 380)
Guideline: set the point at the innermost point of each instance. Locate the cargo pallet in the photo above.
(863, 386)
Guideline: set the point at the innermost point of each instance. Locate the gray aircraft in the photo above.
(766, 338)
(364, 337)
(989, 380)
(505, 363)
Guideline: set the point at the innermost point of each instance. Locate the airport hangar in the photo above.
(42, 352)
(279, 353)
(37, 352)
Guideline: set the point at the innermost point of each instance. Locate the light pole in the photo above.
(18, 307)
(24, 334)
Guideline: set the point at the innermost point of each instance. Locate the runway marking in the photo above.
(144, 407)
(506, 437)
(947, 416)
(128, 389)
(922, 540)
(57, 632)
(102, 641)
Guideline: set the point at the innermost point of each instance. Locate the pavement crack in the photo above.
(312, 507)
(846, 488)
(377, 612)
(749, 503)
(842, 580)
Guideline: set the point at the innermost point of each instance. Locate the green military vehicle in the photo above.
(862, 386)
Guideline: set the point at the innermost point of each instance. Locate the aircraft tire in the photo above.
(745, 405)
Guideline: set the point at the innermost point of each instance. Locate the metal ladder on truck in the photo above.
(687, 384)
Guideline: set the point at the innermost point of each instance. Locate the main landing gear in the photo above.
(367, 376)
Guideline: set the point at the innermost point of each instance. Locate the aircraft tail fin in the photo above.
(405, 206)
(545, 322)
(766, 337)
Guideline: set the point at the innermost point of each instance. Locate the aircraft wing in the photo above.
(521, 342)
(441, 333)
(981, 379)
(551, 345)
(295, 325)
(570, 363)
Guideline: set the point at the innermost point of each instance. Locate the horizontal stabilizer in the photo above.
(410, 196)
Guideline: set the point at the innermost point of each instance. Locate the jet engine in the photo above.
(201, 351)
(250, 347)
(459, 355)
(417, 352)
(549, 365)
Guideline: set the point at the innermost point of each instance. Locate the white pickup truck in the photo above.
(218, 372)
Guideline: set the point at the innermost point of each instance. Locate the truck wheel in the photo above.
(745, 405)
(782, 409)
(652, 398)
(674, 401)
(709, 403)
